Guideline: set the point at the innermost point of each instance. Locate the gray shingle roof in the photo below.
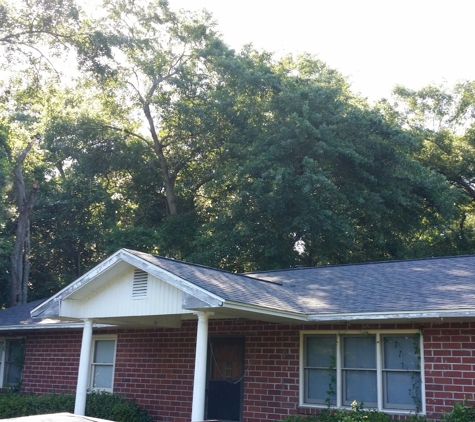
(392, 286)
(227, 285)
(19, 315)
(414, 285)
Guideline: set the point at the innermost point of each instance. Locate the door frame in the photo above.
(223, 339)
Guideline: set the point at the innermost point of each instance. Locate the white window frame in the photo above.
(3, 344)
(3, 357)
(92, 364)
(379, 369)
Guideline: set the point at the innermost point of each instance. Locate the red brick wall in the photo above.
(155, 367)
(51, 361)
(449, 361)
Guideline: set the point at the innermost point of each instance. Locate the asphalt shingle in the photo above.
(19, 315)
(413, 285)
(446, 283)
(227, 285)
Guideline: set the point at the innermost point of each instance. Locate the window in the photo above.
(11, 362)
(102, 363)
(382, 370)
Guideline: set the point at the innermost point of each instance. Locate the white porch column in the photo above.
(83, 374)
(199, 385)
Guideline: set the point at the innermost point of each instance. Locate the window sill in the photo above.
(311, 409)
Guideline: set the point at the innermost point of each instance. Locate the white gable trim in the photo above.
(52, 306)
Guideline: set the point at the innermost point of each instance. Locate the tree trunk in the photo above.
(168, 179)
(20, 257)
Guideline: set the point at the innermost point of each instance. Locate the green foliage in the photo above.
(442, 119)
(104, 405)
(461, 412)
(99, 405)
(53, 403)
(5, 241)
(325, 172)
(356, 414)
(346, 416)
(170, 142)
(15, 405)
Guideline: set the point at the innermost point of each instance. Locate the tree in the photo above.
(18, 121)
(29, 31)
(5, 240)
(443, 120)
(326, 180)
(160, 65)
(20, 257)
(165, 140)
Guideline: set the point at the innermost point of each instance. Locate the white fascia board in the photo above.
(52, 326)
(263, 310)
(40, 327)
(172, 279)
(427, 314)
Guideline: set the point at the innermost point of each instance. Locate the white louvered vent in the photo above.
(140, 285)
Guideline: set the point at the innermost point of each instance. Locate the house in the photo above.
(188, 342)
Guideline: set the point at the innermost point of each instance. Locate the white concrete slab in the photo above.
(57, 417)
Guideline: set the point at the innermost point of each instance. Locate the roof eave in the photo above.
(402, 315)
(297, 316)
(52, 326)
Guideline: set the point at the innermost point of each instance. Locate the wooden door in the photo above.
(225, 379)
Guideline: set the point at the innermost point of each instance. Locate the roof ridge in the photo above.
(300, 268)
(193, 264)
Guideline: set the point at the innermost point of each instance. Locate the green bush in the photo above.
(114, 407)
(348, 416)
(15, 404)
(461, 412)
(356, 414)
(99, 405)
(55, 403)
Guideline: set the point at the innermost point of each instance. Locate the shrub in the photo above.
(55, 403)
(461, 412)
(356, 414)
(104, 405)
(99, 405)
(15, 404)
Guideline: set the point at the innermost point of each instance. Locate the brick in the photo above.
(155, 367)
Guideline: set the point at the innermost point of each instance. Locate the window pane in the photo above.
(13, 362)
(321, 385)
(403, 388)
(360, 386)
(13, 374)
(102, 377)
(104, 351)
(321, 351)
(359, 352)
(14, 349)
(401, 352)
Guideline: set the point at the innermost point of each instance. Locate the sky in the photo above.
(376, 44)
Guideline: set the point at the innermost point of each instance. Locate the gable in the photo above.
(125, 295)
(107, 294)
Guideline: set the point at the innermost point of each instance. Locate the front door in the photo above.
(225, 379)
